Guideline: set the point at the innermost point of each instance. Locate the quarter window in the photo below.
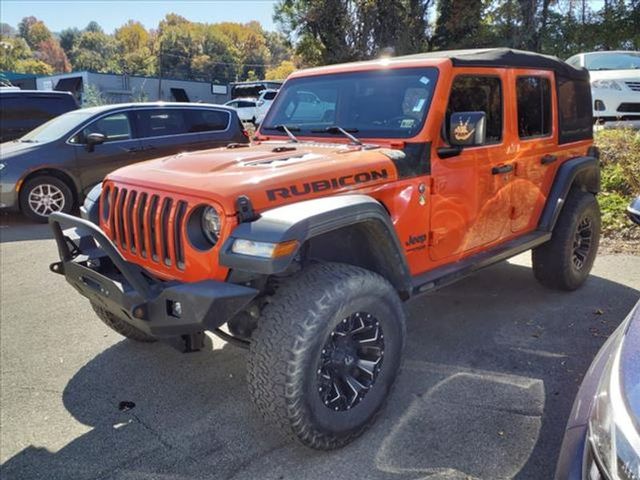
(478, 94)
(114, 127)
(534, 106)
(208, 120)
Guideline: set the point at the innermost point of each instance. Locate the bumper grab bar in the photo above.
(134, 277)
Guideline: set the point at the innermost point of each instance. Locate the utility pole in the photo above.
(160, 72)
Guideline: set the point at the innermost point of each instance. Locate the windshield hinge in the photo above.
(245, 210)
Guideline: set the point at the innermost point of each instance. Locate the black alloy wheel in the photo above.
(350, 362)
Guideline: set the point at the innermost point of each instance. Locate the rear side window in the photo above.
(478, 94)
(114, 127)
(575, 117)
(245, 104)
(34, 108)
(201, 120)
(162, 121)
(534, 106)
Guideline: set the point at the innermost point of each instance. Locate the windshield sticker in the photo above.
(407, 123)
(419, 105)
(424, 80)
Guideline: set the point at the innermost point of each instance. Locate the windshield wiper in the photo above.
(345, 132)
(286, 129)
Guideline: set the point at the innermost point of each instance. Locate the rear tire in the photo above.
(121, 327)
(326, 352)
(564, 262)
(43, 195)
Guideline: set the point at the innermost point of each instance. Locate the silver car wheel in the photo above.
(45, 199)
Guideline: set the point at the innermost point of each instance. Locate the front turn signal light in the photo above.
(264, 249)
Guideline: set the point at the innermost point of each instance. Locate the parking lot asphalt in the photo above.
(491, 368)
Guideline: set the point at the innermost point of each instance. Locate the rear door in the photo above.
(120, 148)
(168, 131)
(537, 160)
(471, 201)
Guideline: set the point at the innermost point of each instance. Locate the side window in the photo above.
(244, 104)
(160, 122)
(270, 95)
(575, 117)
(55, 106)
(201, 120)
(478, 94)
(114, 127)
(534, 106)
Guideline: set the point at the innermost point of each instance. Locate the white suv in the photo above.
(246, 108)
(264, 102)
(615, 82)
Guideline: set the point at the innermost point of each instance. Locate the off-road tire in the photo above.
(40, 181)
(553, 262)
(288, 343)
(121, 327)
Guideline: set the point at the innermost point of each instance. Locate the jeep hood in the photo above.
(270, 174)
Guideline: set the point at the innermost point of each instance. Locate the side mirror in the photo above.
(260, 103)
(633, 210)
(467, 129)
(94, 139)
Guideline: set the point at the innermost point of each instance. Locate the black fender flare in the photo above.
(579, 172)
(311, 219)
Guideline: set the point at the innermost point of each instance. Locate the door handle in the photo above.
(547, 159)
(502, 169)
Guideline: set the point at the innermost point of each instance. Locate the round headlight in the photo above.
(210, 222)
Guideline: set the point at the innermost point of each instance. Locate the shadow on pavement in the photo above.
(15, 227)
(492, 366)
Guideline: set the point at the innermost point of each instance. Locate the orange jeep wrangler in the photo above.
(368, 183)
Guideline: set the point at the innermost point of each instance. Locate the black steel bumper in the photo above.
(93, 265)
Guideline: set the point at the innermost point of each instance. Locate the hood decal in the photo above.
(334, 183)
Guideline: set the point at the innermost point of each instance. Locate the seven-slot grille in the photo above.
(635, 86)
(146, 225)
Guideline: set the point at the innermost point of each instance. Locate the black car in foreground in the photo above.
(602, 438)
(52, 168)
(23, 110)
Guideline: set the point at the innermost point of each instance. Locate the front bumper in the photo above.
(92, 264)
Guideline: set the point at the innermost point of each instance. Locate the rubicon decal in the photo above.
(302, 189)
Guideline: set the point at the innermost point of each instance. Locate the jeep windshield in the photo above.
(383, 103)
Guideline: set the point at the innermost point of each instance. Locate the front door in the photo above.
(471, 203)
(119, 149)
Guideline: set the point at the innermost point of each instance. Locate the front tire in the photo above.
(43, 195)
(326, 352)
(565, 261)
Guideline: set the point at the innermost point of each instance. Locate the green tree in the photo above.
(280, 72)
(134, 54)
(458, 24)
(69, 39)
(34, 31)
(13, 50)
(95, 51)
(331, 31)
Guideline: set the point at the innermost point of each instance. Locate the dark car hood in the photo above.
(630, 364)
(12, 149)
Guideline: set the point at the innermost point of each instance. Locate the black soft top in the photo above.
(506, 58)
